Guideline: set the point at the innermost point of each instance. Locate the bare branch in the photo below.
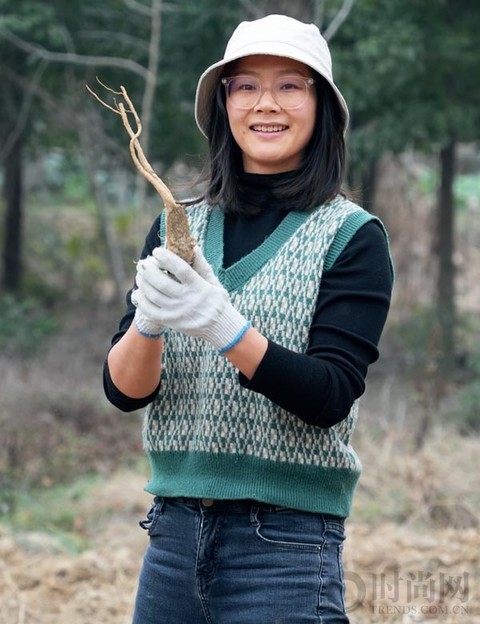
(107, 88)
(252, 8)
(114, 110)
(138, 7)
(145, 10)
(61, 113)
(338, 20)
(179, 239)
(74, 59)
(67, 39)
(319, 13)
(23, 114)
(114, 36)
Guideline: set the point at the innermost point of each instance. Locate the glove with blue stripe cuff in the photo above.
(187, 299)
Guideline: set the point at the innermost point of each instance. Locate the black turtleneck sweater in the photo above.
(320, 385)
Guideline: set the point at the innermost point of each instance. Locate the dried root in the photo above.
(179, 239)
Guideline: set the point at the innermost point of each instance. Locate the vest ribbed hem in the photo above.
(204, 475)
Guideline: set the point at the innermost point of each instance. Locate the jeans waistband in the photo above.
(233, 505)
(222, 506)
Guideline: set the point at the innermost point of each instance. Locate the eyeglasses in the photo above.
(289, 92)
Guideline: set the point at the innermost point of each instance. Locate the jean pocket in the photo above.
(289, 529)
(155, 512)
(335, 525)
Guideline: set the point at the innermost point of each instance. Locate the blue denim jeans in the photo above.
(240, 563)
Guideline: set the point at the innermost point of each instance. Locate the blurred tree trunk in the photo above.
(155, 14)
(433, 382)
(301, 10)
(369, 183)
(446, 309)
(113, 253)
(12, 255)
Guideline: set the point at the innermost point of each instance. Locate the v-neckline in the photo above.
(240, 272)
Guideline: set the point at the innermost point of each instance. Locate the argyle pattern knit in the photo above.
(206, 435)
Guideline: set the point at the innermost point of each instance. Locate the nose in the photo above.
(266, 101)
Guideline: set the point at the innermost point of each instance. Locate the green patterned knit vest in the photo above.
(206, 435)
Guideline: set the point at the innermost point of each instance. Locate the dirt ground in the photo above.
(394, 573)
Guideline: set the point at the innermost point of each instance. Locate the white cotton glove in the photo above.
(203, 268)
(187, 299)
(144, 325)
(152, 329)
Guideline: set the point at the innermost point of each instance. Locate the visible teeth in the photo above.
(269, 128)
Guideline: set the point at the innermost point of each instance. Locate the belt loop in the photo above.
(254, 509)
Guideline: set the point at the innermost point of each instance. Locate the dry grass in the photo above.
(413, 552)
(53, 414)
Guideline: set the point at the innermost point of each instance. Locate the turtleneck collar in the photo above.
(259, 192)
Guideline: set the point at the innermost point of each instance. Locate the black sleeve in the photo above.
(113, 394)
(321, 385)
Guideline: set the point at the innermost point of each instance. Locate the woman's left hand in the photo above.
(172, 293)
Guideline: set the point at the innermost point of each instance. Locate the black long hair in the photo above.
(320, 175)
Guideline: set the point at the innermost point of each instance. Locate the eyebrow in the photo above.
(281, 72)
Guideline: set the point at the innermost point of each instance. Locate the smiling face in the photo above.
(272, 139)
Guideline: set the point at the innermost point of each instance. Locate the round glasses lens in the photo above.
(289, 92)
(243, 91)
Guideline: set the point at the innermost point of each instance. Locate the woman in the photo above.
(252, 360)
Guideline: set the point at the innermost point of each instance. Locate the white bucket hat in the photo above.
(276, 35)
